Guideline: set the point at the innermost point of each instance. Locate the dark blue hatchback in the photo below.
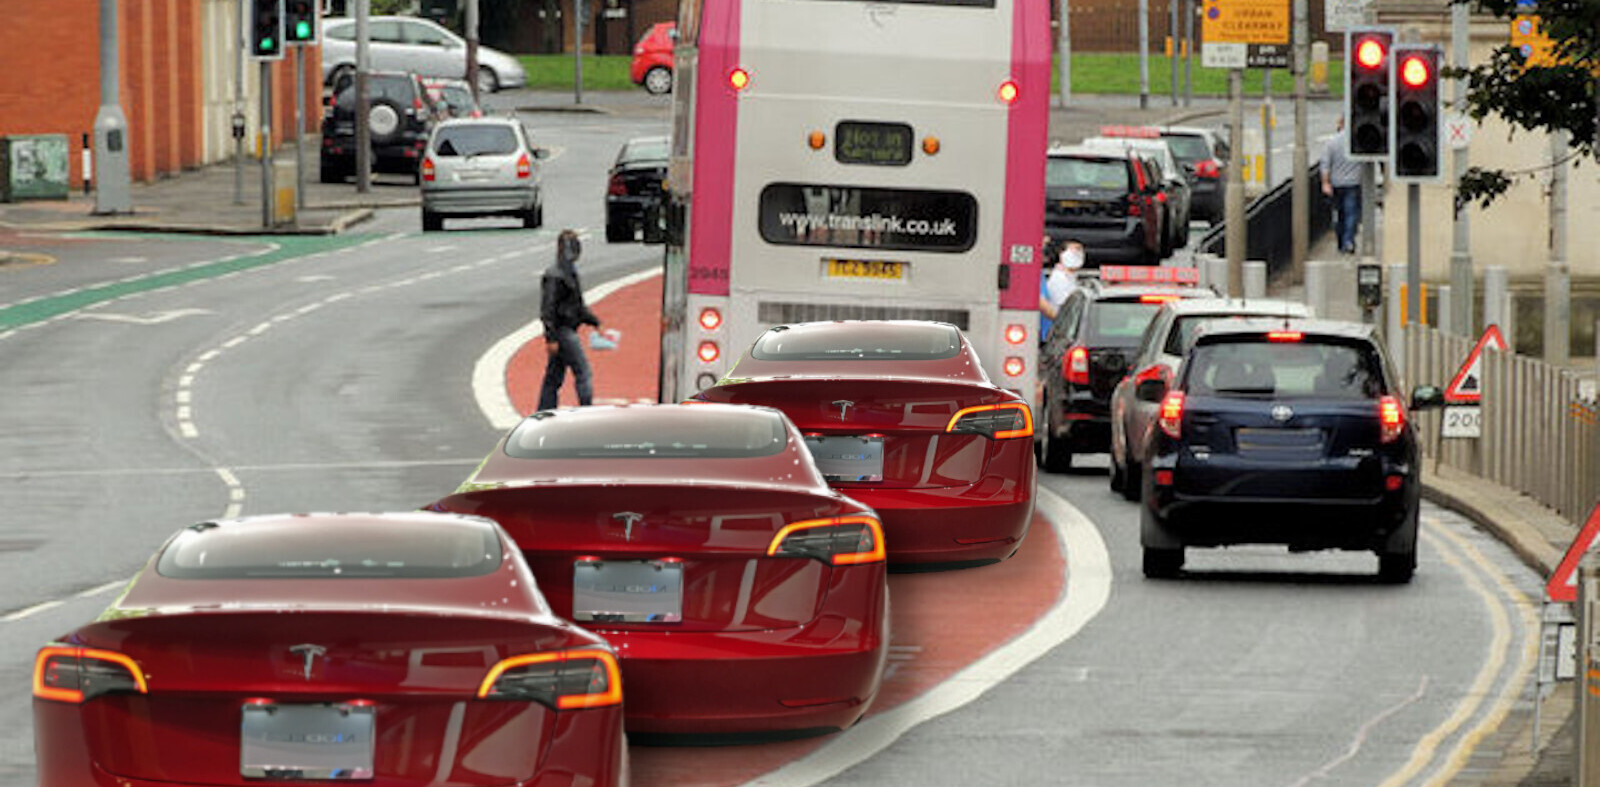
(1285, 432)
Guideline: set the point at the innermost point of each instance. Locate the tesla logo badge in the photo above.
(844, 406)
(1281, 413)
(310, 652)
(628, 519)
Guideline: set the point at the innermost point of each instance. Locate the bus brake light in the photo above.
(1008, 91)
(708, 352)
(710, 319)
(739, 79)
(1015, 366)
(1016, 334)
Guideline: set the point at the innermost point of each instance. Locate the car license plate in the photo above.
(1069, 204)
(848, 457)
(333, 742)
(865, 269)
(627, 591)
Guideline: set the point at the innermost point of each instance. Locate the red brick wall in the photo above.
(55, 92)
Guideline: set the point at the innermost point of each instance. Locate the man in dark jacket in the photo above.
(562, 310)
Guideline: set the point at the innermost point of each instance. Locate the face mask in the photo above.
(1072, 258)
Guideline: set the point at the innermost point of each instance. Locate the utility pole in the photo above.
(577, 51)
(1268, 116)
(238, 110)
(472, 49)
(1188, 53)
(1299, 185)
(363, 132)
(1064, 68)
(1461, 280)
(1413, 253)
(1144, 54)
(1557, 274)
(299, 124)
(113, 181)
(1233, 201)
(1177, 46)
(267, 218)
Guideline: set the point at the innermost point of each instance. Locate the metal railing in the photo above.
(1269, 229)
(1539, 436)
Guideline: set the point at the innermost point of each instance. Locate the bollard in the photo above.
(1319, 68)
(284, 196)
(1392, 300)
(1496, 298)
(1317, 287)
(1255, 279)
(1202, 264)
(1344, 302)
(1587, 743)
(1219, 275)
(1441, 312)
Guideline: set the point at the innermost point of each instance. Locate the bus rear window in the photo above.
(669, 433)
(798, 214)
(868, 341)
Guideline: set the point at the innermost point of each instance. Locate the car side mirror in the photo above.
(541, 153)
(1425, 397)
(1150, 390)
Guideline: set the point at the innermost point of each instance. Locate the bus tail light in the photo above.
(1009, 91)
(739, 79)
(839, 541)
(930, 145)
(708, 352)
(1016, 334)
(1171, 414)
(816, 140)
(994, 421)
(1075, 367)
(710, 319)
(77, 675)
(1014, 366)
(1391, 419)
(563, 680)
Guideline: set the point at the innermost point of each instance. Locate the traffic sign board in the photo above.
(1457, 131)
(1563, 584)
(1467, 386)
(1341, 15)
(1245, 22)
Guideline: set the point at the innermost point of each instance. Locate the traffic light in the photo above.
(1368, 81)
(300, 21)
(1416, 113)
(266, 29)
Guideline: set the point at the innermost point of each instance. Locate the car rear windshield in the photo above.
(866, 342)
(475, 140)
(1188, 147)
(302, 549)
(1119, 323)
(645, 150)
(667, 433)
(1086, 173)
(1260, 368)
(1185, 328)
(392, 87)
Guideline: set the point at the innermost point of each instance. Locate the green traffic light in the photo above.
(302, 30)
(267, 44)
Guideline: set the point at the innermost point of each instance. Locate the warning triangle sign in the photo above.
(1563, 584)
(1467, 386)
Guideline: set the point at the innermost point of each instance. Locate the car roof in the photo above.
(961, 368)
(1223, 330)
(1080, 151)
(1111, 291)
(486, 120)
(1239, 306)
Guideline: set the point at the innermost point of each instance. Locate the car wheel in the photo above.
(1119, 477)
(538, 213)
(658, 81)
(530, 219)
(1131, 490)
(416, 177)
(618, 233)
(488, 82)
(1057, 453)
(432, 222)
(340, 75)
(1397, 568)
(1162, 563)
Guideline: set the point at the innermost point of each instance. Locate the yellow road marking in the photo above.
(23, 259)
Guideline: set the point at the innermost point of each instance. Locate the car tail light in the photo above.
(616, 187)
(1286, 337)
(1391, 419)
(839, 540)
(564, 680)
(525, 166)
(1016, 334)
(416, 104)
(1161, 197)
(1135, 206)
(427, 170)
(1171, 415)
(1014, 366)
(68, 674)
(1075, 367)
(1394, 482)
(1207, 168)
(1163, 477)
(708, 352)
(710, 319)
(994, 421)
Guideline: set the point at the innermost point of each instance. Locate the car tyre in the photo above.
(432, 222)
(1397, 568)
(1160, 563)
(658, 81)
(488, 81)
(1118, 476)
(1057, 453)
(530, 219)
(1133, 477)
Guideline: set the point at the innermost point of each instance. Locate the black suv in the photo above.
(1283, 431)
(1090, 348)
(633, 190)
(1108, 201)
(399, 119)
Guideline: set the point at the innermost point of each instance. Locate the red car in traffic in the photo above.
(652, 58)
(395, 649)
(901, 416)
(744, 597)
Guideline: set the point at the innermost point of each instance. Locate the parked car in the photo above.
(399, 119)
(1283, 431)
(743, 596)
(1174, 195)
(481, 167)
(652, 58)
(403, 43)
(1161, 350)
(634, 194)
(387, 648)
(1089, 349)
(1106, 200)
(452, 98)
(900, 415)
(1203, 155)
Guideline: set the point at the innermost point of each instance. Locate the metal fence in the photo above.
(1268, 226)
(1539, 436)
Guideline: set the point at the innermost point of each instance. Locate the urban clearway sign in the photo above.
(1244, 34)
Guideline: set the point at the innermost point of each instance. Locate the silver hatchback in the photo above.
(481, 167)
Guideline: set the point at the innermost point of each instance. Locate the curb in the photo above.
(579, 109)
(1531, 549)
(340, 223)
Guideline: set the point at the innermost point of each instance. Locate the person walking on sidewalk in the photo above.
(1341, 180)
(563, 311)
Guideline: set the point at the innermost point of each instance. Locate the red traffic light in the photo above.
(1369, 53)
(1414, 71)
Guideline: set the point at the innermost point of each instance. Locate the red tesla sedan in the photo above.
(901, 416)
(396, 649)
(743, 596)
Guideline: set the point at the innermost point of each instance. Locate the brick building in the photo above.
(178, 75)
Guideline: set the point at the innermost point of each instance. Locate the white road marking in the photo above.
(95, 591)
(30, 611)
(235, 493)
(153, 318)
(128, 259)
(489, 374)
(1087, 590)
(313, 278)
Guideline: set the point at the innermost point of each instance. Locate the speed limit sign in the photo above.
(1463, 421)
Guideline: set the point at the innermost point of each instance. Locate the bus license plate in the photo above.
(866, 269)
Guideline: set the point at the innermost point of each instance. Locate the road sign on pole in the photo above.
(1563, 584)
(1467, 386)
(1245, 34)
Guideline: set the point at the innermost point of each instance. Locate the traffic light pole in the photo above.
(299, 125)
(1369, 210)
(1557, 276)
(267, 217)
(1461, 280)
(1299, 185)
(363, 133)
(1413, 253)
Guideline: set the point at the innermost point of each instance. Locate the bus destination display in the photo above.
(883, 144)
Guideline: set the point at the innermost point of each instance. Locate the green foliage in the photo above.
(389, 7)
(600, 72)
